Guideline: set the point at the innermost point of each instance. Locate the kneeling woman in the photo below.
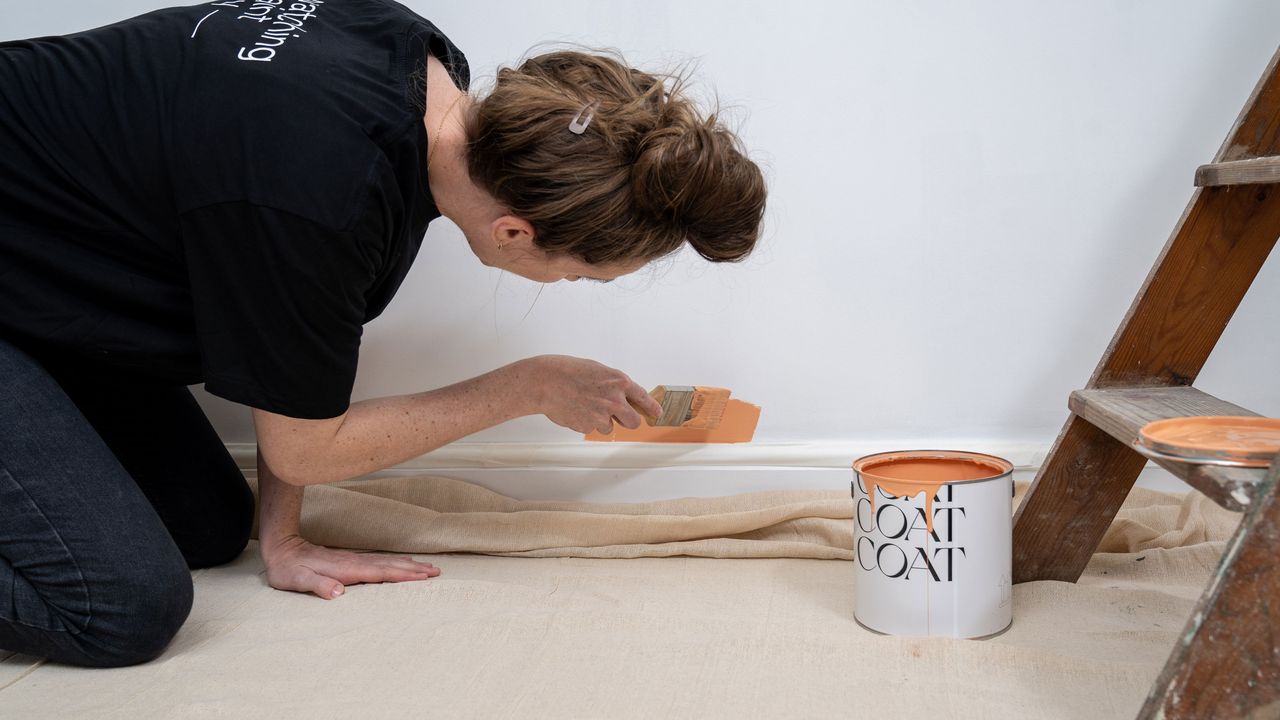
(195, 195)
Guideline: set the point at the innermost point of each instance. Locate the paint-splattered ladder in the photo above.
(1122, 412)
(1227, 664)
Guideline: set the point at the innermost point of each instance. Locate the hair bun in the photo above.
(691, 178)
(648, 174)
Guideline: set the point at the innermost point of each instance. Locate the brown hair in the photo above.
(648, 174)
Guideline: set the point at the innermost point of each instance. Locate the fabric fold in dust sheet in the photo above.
(583, 637)
(428, 514)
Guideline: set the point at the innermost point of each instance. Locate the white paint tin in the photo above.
(949, 577)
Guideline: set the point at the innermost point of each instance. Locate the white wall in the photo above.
(964, 198)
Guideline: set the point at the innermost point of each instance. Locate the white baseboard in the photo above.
(626, 472)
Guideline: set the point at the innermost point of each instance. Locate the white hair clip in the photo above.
(578, 124)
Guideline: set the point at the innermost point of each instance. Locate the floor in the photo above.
(504, 637)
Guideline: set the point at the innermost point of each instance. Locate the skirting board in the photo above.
(624, 472)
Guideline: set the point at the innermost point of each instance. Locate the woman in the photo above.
(225, 194)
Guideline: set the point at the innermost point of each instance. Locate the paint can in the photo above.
(933, 543)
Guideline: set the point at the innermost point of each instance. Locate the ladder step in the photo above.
(1122, 412)
(1253, 171)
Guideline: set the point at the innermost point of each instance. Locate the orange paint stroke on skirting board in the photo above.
(738, 425)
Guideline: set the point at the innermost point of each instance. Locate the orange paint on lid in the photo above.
(1243, 440)
(909, 473)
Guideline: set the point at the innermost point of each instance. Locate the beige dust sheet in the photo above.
(752, 617)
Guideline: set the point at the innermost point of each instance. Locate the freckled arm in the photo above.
(377, 433)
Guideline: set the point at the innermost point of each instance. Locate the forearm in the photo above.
(378, 433)
(279, 508)
(292, 563)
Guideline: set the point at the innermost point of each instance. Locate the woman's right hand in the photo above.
(584, 395)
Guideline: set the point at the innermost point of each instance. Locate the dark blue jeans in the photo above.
(111, 488)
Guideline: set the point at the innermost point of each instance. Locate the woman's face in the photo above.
(538, 265)
(508, 245)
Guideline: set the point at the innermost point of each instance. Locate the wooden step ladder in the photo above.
(1227, 662)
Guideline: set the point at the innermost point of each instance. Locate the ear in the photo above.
(510, 231)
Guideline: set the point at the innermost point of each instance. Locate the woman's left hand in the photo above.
(297, 565)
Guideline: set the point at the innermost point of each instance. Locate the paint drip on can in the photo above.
(933, 550)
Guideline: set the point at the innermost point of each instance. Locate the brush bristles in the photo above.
(707, 408)
(677, 402)
(700, 408)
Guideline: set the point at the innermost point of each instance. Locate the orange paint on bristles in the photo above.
(738, 422)
(708, 408)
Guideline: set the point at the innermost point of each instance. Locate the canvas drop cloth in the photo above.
(579, 617)
(435, 514)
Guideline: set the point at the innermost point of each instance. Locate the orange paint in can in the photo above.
(909, 473)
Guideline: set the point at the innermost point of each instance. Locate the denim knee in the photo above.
(221, 548)
(140, 614)
(223, 532)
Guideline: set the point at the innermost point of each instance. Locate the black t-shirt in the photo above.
(222, 193)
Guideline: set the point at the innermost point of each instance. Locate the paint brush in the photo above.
(689, 406)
